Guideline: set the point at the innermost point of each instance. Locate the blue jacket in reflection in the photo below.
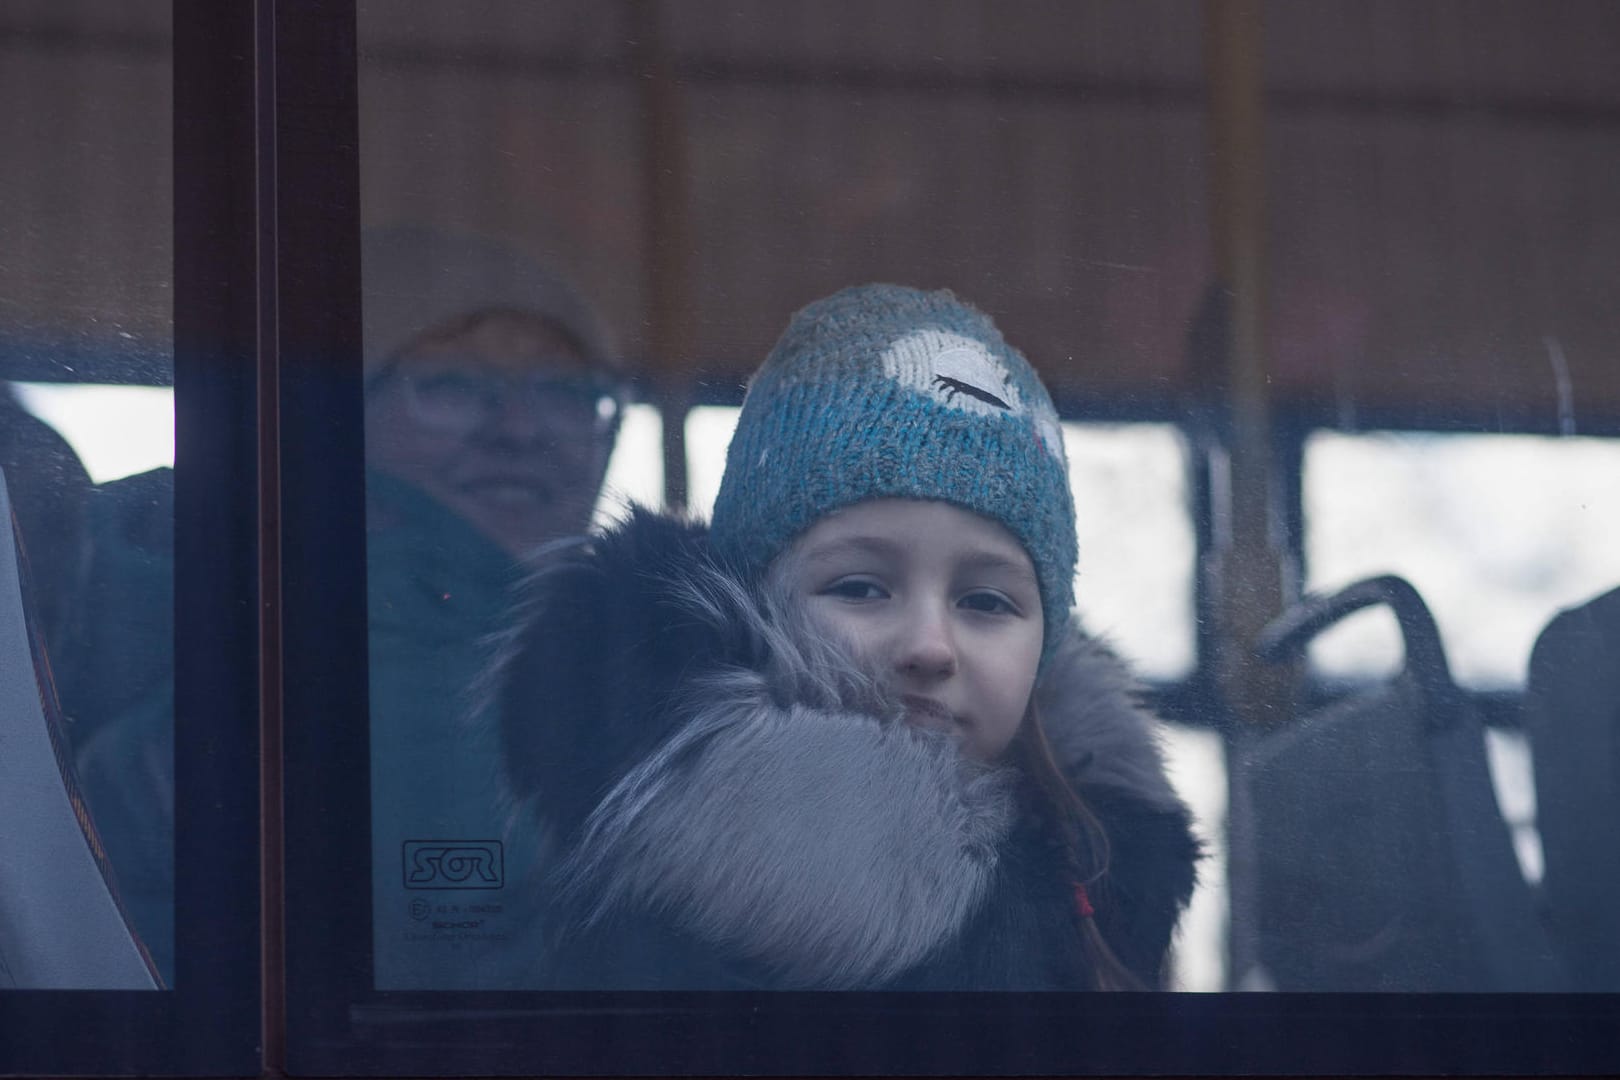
(116, 679)
(449, 902)
(444, 867)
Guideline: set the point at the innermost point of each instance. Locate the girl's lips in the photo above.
(928, 713)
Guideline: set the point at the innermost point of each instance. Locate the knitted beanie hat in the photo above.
(881, 391)
(415, 279)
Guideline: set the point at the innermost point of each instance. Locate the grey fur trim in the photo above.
(1099, 733)
(793, 819)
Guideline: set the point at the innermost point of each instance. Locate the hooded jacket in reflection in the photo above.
(727, 803)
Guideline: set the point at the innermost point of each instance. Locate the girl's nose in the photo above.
(927, 649)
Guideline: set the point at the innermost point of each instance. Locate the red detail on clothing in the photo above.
(1082, 902)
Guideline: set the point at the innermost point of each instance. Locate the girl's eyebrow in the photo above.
(854, 545)
(995, 561)
(982, 561)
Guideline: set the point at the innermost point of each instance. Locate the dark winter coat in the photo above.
(728, 807)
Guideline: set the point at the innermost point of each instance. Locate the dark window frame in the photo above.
(270, 578)
(338, 1025)
(209, 1022)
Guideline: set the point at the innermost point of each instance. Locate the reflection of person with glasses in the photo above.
(503, 411)
(492, 403)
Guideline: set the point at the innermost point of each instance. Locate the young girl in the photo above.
(848, 736)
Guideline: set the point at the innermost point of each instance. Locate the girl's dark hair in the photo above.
(1078, 835)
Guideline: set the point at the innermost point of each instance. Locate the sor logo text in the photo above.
(454, 864)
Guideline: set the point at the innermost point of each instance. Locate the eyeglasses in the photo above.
(463, 400)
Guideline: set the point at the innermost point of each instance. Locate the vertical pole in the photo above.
(1249, 587)
(273, 941)
(668, 240)
(320, 729)
(223, 966)
(1247, 569)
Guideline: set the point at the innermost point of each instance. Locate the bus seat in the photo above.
(1572, 711)
(1383, 862)
(61, 925)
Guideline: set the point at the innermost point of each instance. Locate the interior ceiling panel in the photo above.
(1518, 54)
(1002, 201)
(1488, 267)
(1436, 179)
(86, 191)
(1439, 174)
(1027, 41)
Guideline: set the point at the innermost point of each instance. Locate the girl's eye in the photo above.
(988, 602)
(855, 589)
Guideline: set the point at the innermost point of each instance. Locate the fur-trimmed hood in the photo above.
(699, 755)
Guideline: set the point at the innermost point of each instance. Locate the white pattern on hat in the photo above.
(956, 371)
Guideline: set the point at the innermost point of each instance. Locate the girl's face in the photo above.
(942, 602)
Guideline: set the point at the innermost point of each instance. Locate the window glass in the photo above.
(635, 472)
(1433, 235)
(498, 420)
(86, 445)
(1196, 759)
(116, 431)
(1498, 532)
(560, 275)
(586, 226)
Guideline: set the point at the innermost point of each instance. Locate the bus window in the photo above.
(1499, 533)
(87, 445)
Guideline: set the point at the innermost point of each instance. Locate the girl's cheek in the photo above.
(856, 632)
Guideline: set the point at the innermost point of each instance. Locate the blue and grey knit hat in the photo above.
(881, 391)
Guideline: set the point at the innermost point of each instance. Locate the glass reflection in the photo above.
(86, 445)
